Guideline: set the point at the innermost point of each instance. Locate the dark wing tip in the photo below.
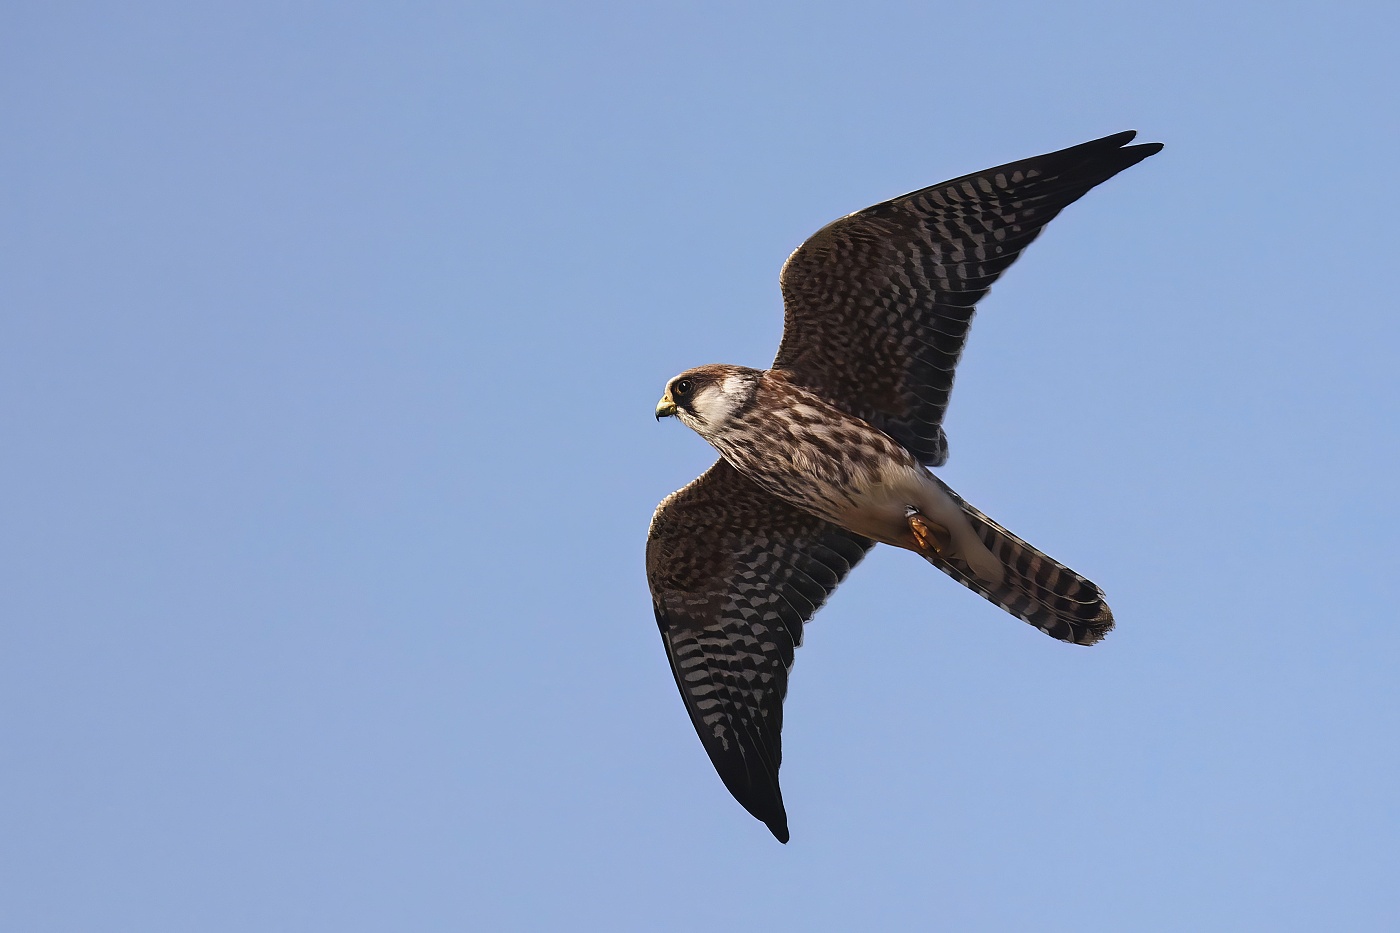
(1095, 162)
(1114, 148)
(1114, 140)
(755, 788)
(1142, 151)
(1117, 141)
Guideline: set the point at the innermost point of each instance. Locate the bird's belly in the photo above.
(869, 498)
(878, 508)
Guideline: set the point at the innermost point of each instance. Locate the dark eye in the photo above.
(683, 387)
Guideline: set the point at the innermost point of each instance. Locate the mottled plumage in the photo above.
(731, 613)
(826, 453)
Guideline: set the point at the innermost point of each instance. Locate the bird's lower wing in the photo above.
(735, 572)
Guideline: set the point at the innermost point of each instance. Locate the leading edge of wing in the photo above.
(1113, 151)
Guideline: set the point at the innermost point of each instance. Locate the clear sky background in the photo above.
(330, 335)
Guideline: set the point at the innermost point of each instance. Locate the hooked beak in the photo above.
(665, 408)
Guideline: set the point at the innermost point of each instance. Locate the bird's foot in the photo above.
(932, 539)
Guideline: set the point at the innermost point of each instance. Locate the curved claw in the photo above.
(933, 539)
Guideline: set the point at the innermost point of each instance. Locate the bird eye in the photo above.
(683, 387)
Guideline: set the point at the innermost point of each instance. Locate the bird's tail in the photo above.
(1034, 586)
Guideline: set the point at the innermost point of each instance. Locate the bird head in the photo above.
(706, 397)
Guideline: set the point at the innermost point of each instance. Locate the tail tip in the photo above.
(1092, 632)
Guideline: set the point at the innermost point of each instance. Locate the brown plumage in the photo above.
(826, 453)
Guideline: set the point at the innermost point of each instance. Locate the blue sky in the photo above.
(329, 340)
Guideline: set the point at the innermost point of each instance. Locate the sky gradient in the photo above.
(329, 340)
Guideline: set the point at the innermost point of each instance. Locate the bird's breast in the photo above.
(824, 462)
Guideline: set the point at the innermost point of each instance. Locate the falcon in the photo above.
(826, 453)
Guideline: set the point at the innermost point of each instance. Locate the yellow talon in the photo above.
(931, 538)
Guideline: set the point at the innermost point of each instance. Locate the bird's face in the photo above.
(706, 397)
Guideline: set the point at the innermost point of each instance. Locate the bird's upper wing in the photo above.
(878, 304)
(734, 574)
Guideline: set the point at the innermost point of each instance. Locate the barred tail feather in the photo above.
(1034, 587)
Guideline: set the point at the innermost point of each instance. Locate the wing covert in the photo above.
(735, 572)
(877, 304)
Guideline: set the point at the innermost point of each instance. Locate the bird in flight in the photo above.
(826, 453)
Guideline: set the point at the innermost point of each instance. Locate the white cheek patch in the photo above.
(714, 404)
